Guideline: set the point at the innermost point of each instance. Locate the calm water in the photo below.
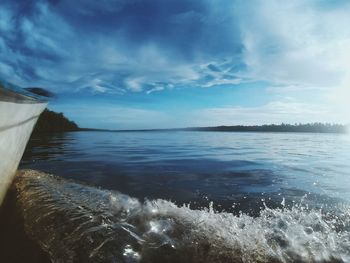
(188, 165)
(250, 197)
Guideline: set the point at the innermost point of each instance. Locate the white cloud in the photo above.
(296, 47)
(296, 43)
(274, 112)
(134, 84)
(299, 46)
(60, 54)
(155, 89)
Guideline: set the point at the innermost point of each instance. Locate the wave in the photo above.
(78, 223)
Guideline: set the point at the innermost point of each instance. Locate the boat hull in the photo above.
(18, 116)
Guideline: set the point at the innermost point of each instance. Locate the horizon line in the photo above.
(343, 128)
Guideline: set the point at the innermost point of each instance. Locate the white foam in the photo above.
(66, 217)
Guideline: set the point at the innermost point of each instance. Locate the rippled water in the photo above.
(250, 197)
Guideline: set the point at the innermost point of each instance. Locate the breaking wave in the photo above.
(78, 223)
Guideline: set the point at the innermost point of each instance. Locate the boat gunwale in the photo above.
(12, 93)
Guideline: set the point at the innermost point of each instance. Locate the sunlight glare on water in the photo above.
(66, 217)
(189, 197)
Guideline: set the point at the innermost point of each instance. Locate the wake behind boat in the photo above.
(74, 222)
(19, 111)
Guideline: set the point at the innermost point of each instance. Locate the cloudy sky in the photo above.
(129, 64)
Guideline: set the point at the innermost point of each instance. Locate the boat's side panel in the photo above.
(16, 124)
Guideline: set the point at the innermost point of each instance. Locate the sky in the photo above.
(138, 64)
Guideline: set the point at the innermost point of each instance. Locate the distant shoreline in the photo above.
(51, 122)
(287, 128)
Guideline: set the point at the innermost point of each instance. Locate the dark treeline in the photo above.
(310, 127)
(50, 121)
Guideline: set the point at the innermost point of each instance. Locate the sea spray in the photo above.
(79, 223)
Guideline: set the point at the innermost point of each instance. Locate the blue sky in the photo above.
(130, 64)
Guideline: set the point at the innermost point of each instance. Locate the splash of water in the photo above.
(78, 223)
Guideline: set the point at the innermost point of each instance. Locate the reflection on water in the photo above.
(46, 146)
(185, 166)
(250, 197)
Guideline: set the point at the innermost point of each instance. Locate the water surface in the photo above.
(189, 196)
(186, 165)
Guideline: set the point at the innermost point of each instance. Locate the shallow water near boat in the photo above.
(188, 197)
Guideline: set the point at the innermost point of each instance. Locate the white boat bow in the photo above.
(19, 112)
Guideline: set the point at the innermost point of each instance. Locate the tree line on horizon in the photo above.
(309, 127)
(50, 121)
